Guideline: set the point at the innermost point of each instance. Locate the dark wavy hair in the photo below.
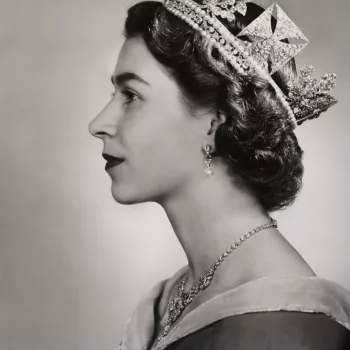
(257, 139)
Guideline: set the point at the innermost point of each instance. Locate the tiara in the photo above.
(265, 52)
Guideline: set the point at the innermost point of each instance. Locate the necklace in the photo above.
(183, 299)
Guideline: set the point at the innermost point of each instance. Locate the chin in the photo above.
(123, 198)
(128, 196)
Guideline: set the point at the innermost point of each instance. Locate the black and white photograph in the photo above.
(175, 175)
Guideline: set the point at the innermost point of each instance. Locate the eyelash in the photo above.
(127, 93)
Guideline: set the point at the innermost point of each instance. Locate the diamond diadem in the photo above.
(267, 48)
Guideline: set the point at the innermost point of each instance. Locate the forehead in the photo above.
(134, 57)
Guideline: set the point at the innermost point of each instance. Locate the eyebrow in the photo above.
(123, 77)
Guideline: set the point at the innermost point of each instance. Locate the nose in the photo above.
(105, 122)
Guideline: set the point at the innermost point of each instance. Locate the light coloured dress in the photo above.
(268, 313)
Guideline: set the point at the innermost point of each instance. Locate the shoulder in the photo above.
(273, 330)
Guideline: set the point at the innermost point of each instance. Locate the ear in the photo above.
(220, 118)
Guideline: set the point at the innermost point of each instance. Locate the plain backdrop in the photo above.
(73, 262)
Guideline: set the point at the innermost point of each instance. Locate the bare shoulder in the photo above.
(276, 256)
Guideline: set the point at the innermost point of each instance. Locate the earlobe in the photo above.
(221, 117)
(217, 121)
(212, 128)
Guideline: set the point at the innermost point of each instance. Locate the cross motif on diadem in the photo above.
(267, 45)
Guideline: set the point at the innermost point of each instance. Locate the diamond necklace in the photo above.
(183, 299)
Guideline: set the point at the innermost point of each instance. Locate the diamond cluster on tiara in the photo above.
(226, 8)
(310, 97)
(263, 55)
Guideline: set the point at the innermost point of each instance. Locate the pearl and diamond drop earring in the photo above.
(208, 158)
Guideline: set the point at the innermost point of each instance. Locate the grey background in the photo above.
(73, 263)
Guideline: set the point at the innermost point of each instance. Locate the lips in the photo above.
(113, 163)
(108, 157)
(111, 160)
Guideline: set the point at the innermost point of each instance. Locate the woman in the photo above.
(200, 128)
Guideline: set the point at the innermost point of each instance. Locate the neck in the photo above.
(208, 215)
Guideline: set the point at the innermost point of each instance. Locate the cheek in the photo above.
(160, 148)
(162, 144)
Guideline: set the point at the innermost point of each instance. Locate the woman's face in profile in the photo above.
(147, 124)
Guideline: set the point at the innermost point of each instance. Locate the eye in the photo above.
(127, 96)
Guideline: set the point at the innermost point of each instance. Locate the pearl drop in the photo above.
(208, 172)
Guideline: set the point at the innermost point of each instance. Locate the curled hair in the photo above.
(257, 140)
